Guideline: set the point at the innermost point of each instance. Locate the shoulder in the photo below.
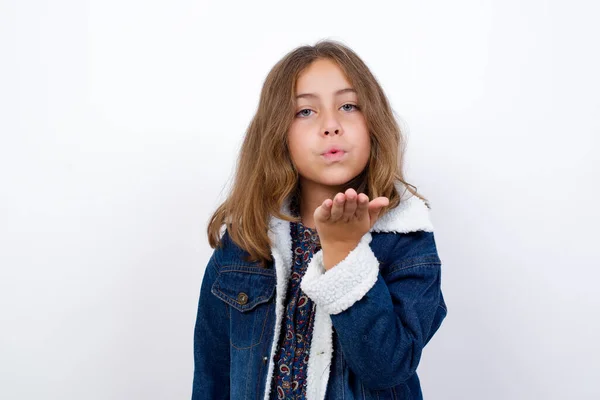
(230, 254)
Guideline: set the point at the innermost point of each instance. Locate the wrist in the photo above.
(334, 253)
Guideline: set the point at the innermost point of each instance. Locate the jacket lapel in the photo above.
(410, 215)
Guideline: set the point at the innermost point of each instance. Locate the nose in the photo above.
(331, 124)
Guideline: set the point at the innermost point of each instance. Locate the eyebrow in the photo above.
(312, 95)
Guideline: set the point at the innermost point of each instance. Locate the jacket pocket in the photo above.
(248, 290)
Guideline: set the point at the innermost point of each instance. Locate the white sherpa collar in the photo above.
(410, 215)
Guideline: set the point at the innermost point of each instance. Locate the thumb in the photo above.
(375, 207)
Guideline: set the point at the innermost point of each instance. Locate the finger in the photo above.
(379, 202)
(338, 207)
(375, 207)
(363, 206)
(323, 212)
(350, 206)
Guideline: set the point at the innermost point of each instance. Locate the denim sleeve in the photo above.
(382, 321)
(211, 342)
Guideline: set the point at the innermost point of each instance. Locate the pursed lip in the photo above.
(332, 149)
(332, 157)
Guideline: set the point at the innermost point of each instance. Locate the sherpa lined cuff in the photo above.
(347, 282)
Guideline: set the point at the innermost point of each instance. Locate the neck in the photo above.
(312, 195)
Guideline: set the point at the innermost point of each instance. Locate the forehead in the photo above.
(323, 76)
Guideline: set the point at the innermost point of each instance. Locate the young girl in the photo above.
(325, 282)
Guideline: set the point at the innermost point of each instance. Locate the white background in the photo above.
(120, 123)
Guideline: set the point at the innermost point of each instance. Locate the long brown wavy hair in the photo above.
(265, 175)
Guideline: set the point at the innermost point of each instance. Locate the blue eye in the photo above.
(306, 111)
(351, 105)
(301, 114)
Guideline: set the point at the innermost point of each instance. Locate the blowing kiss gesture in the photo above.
(342, 221)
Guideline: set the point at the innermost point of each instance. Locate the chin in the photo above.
(336, 178)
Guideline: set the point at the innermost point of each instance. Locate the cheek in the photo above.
(363, 138)
(365, 145)
(296, 146)
(357, 124)
(365, 150)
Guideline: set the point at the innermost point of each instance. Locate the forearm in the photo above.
(380, 346)
(382, 338)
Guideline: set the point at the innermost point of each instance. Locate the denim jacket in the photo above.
(375, 312)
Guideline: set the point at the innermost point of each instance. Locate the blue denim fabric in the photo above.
(378, 341)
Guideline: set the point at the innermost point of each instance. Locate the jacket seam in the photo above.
(402, 265)
(217, 268)
(246, 270)
(262, 333)
(243, 348)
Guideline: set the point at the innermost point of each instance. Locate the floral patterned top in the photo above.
(291, 358)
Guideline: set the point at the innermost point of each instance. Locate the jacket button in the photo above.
(242, 298)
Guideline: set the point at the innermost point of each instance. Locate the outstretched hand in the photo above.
(345, 219)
